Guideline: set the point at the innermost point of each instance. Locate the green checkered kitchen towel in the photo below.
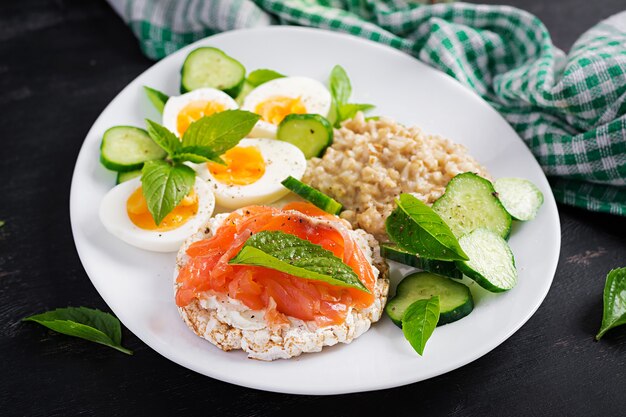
(570, 110)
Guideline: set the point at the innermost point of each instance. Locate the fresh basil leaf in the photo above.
(157, 98)
(340, 87)
(341, 90)
(292, 255)
(614, 313)
(419, 322)
(416, 228)
(349, 110)
(164, 186)
(86, 323)
(220, 131)
(163, 137)
(2, 223)
(261, 76)
(197, 155)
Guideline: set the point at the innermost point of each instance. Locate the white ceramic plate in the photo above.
(137, 285)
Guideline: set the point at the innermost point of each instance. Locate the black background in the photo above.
(61, 62)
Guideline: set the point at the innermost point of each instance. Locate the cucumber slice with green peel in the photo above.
(311, 133)
(211, 67)
(312, 195)
(520, 197)
(395, 253)
(126, 148)
(470, 202)
(491, 263)
(455, 299)
(125, 176)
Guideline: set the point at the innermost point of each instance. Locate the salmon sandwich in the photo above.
(278, 282)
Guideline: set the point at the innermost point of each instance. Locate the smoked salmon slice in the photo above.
(277, 293)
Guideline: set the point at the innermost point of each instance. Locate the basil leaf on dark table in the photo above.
(85, 323)
(614, 313)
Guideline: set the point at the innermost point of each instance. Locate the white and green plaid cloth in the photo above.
(569, 109)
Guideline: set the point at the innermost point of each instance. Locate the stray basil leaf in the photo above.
(2, 223)
(340, 86)
(261, 76)
(419, 322)
(292, 255)
(614, 313)
(156, 97)
(220, 131)
(86, 323)
(164, 186)
(417, 228)
(163, 137)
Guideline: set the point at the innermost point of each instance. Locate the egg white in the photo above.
(114, 217)
(313, 94)
(175, 104)
(282, 159)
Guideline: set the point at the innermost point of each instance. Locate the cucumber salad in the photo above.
(463, 233)
(235, 138)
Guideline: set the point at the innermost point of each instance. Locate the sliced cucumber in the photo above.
(470, 203)
(395, 253)
(156, 97)
(311, 133)
(491, 262)
(520, 197)
(126, 148)
(211, 67)
(455, 299)
(125, 176)
(312, 195)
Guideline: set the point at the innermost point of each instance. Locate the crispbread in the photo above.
(229, 324)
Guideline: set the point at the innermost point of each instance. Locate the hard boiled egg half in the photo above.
(278, 98)
(124, 213)
(253, 172)
(181, 111)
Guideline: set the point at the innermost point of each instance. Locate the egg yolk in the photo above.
(275, 109)
(194, 111)
(138, 212)
(244, 165)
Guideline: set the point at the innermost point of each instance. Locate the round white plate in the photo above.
(137, 285)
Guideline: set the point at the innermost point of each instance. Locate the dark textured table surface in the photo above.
(61, 62)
